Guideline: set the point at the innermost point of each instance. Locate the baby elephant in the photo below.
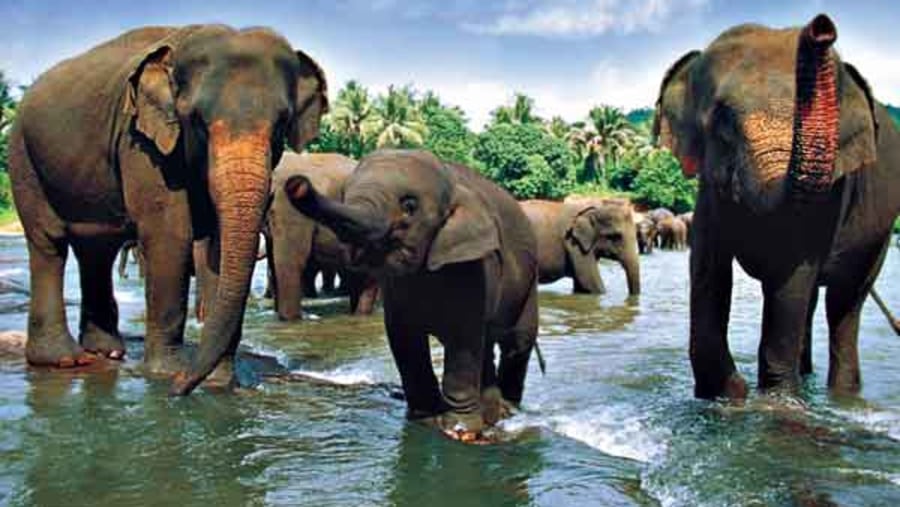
(456, 259)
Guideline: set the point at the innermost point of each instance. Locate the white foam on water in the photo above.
(342, 376)
(12, 272)
(878, 420)
(128, 296)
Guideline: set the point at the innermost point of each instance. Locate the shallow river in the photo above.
(613, 422)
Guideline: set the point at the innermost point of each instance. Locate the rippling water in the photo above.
(612, 423)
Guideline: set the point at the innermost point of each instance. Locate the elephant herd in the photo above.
(173, 140)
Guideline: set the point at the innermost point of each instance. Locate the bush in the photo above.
(6, 200)
(659, 182)
(525, 160)
(448, 137)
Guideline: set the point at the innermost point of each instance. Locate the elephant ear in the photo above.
(469, 232)
(671, 128)
(311, 103)
(859, 127)
(151, 99)
(582, 232)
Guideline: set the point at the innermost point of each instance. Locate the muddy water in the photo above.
(612, 423)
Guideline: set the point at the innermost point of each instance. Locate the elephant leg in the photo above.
(270, 268)
(165, 239)
(806, 366)
(515, 351)
(711, 281)
(328, 276)
(785, 315)
(409, 346)
(586, 274)
(308, 279)
(99, 311)
(123, 263)
(363, 293)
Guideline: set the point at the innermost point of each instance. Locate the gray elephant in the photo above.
(799, 172)
(301, 247)
(671, 233)
(457, 259)
(571, 237)
(164, 134)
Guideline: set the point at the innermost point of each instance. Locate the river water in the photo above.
(613, 422)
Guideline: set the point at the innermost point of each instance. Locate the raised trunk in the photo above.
(816, 113)
(239, 186)
(351, 224)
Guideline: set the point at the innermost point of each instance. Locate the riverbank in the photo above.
(10, 225)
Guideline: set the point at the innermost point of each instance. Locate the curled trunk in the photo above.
(816, 113)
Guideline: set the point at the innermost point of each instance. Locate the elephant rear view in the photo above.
(165, 134)
(800, 182)
(456, 259)
(572, 236)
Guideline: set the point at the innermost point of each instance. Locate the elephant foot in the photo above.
(99, 342)
(222, 377)
(466, 428)
(165, 361)
(58, 351)
(494, 406)
(734, 387)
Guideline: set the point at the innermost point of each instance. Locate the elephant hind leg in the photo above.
(99, 312)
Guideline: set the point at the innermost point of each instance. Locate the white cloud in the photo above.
(582, 18)
(879, 65)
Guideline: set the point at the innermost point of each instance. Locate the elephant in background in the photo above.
(645, 231)
(799, 172)
(671, 233)
(131, 248)
(571, 237)
(301, 247)
(456, 259)
(688, 219)
(162, 134)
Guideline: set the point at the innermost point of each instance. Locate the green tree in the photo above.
(7, 115)
(521, 112)
(346, 123)
(448, 136)
(525, 160)
(558, 128)
(660, 182)
(397, 122)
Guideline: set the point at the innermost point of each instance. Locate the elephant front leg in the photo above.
(99, 311)
(786, 308)
(166, 243)
(409, 347)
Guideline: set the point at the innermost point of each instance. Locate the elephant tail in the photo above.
(540, 357)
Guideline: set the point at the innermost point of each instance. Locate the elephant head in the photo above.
(605, 230)
(402, 212)
(225, 102)
(768, 116)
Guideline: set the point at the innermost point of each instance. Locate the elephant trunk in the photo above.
(631, 264)
(352, 224)
(288, 262)
(816, 110)
(239, 184)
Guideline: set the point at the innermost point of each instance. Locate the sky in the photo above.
(569, 55)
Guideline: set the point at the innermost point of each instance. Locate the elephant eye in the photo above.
(409, 204)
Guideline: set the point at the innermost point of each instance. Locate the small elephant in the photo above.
(571, 237)
(799, 172)
(457, 259)
(301, 247)
(163, 134)
(671, 233)
(688, 219)
(645, 229)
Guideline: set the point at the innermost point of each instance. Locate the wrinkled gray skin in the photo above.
(298, 242)
(457, 259)
(571, 237)
(799, 173)
(164, 134)
(688, 219)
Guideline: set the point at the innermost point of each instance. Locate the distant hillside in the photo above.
(638, 116)
(894, 111)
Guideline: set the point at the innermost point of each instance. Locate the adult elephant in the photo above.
(672, 233)
(646, 233)
(571, 237)
(800, 182)
(457, 259)
(688, 219)
(301, 247)
(164, 134)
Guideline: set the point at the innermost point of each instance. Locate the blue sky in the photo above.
(567, 54)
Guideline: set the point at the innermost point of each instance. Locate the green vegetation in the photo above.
(609, 153)
(7, 115)
(894, 112)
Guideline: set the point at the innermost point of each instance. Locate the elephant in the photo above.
(163, 135)
(301, 247)
(688, 219)
(799, 171)
(645, 229)
(456, 258)
(130, 247)
(660, 214)
(671, 233)
(571, 237)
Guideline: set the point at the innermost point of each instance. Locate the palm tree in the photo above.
(603, 141)
(352, 110)
(397, 121)
(7, 104)
(557, 128)
(520, 113)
